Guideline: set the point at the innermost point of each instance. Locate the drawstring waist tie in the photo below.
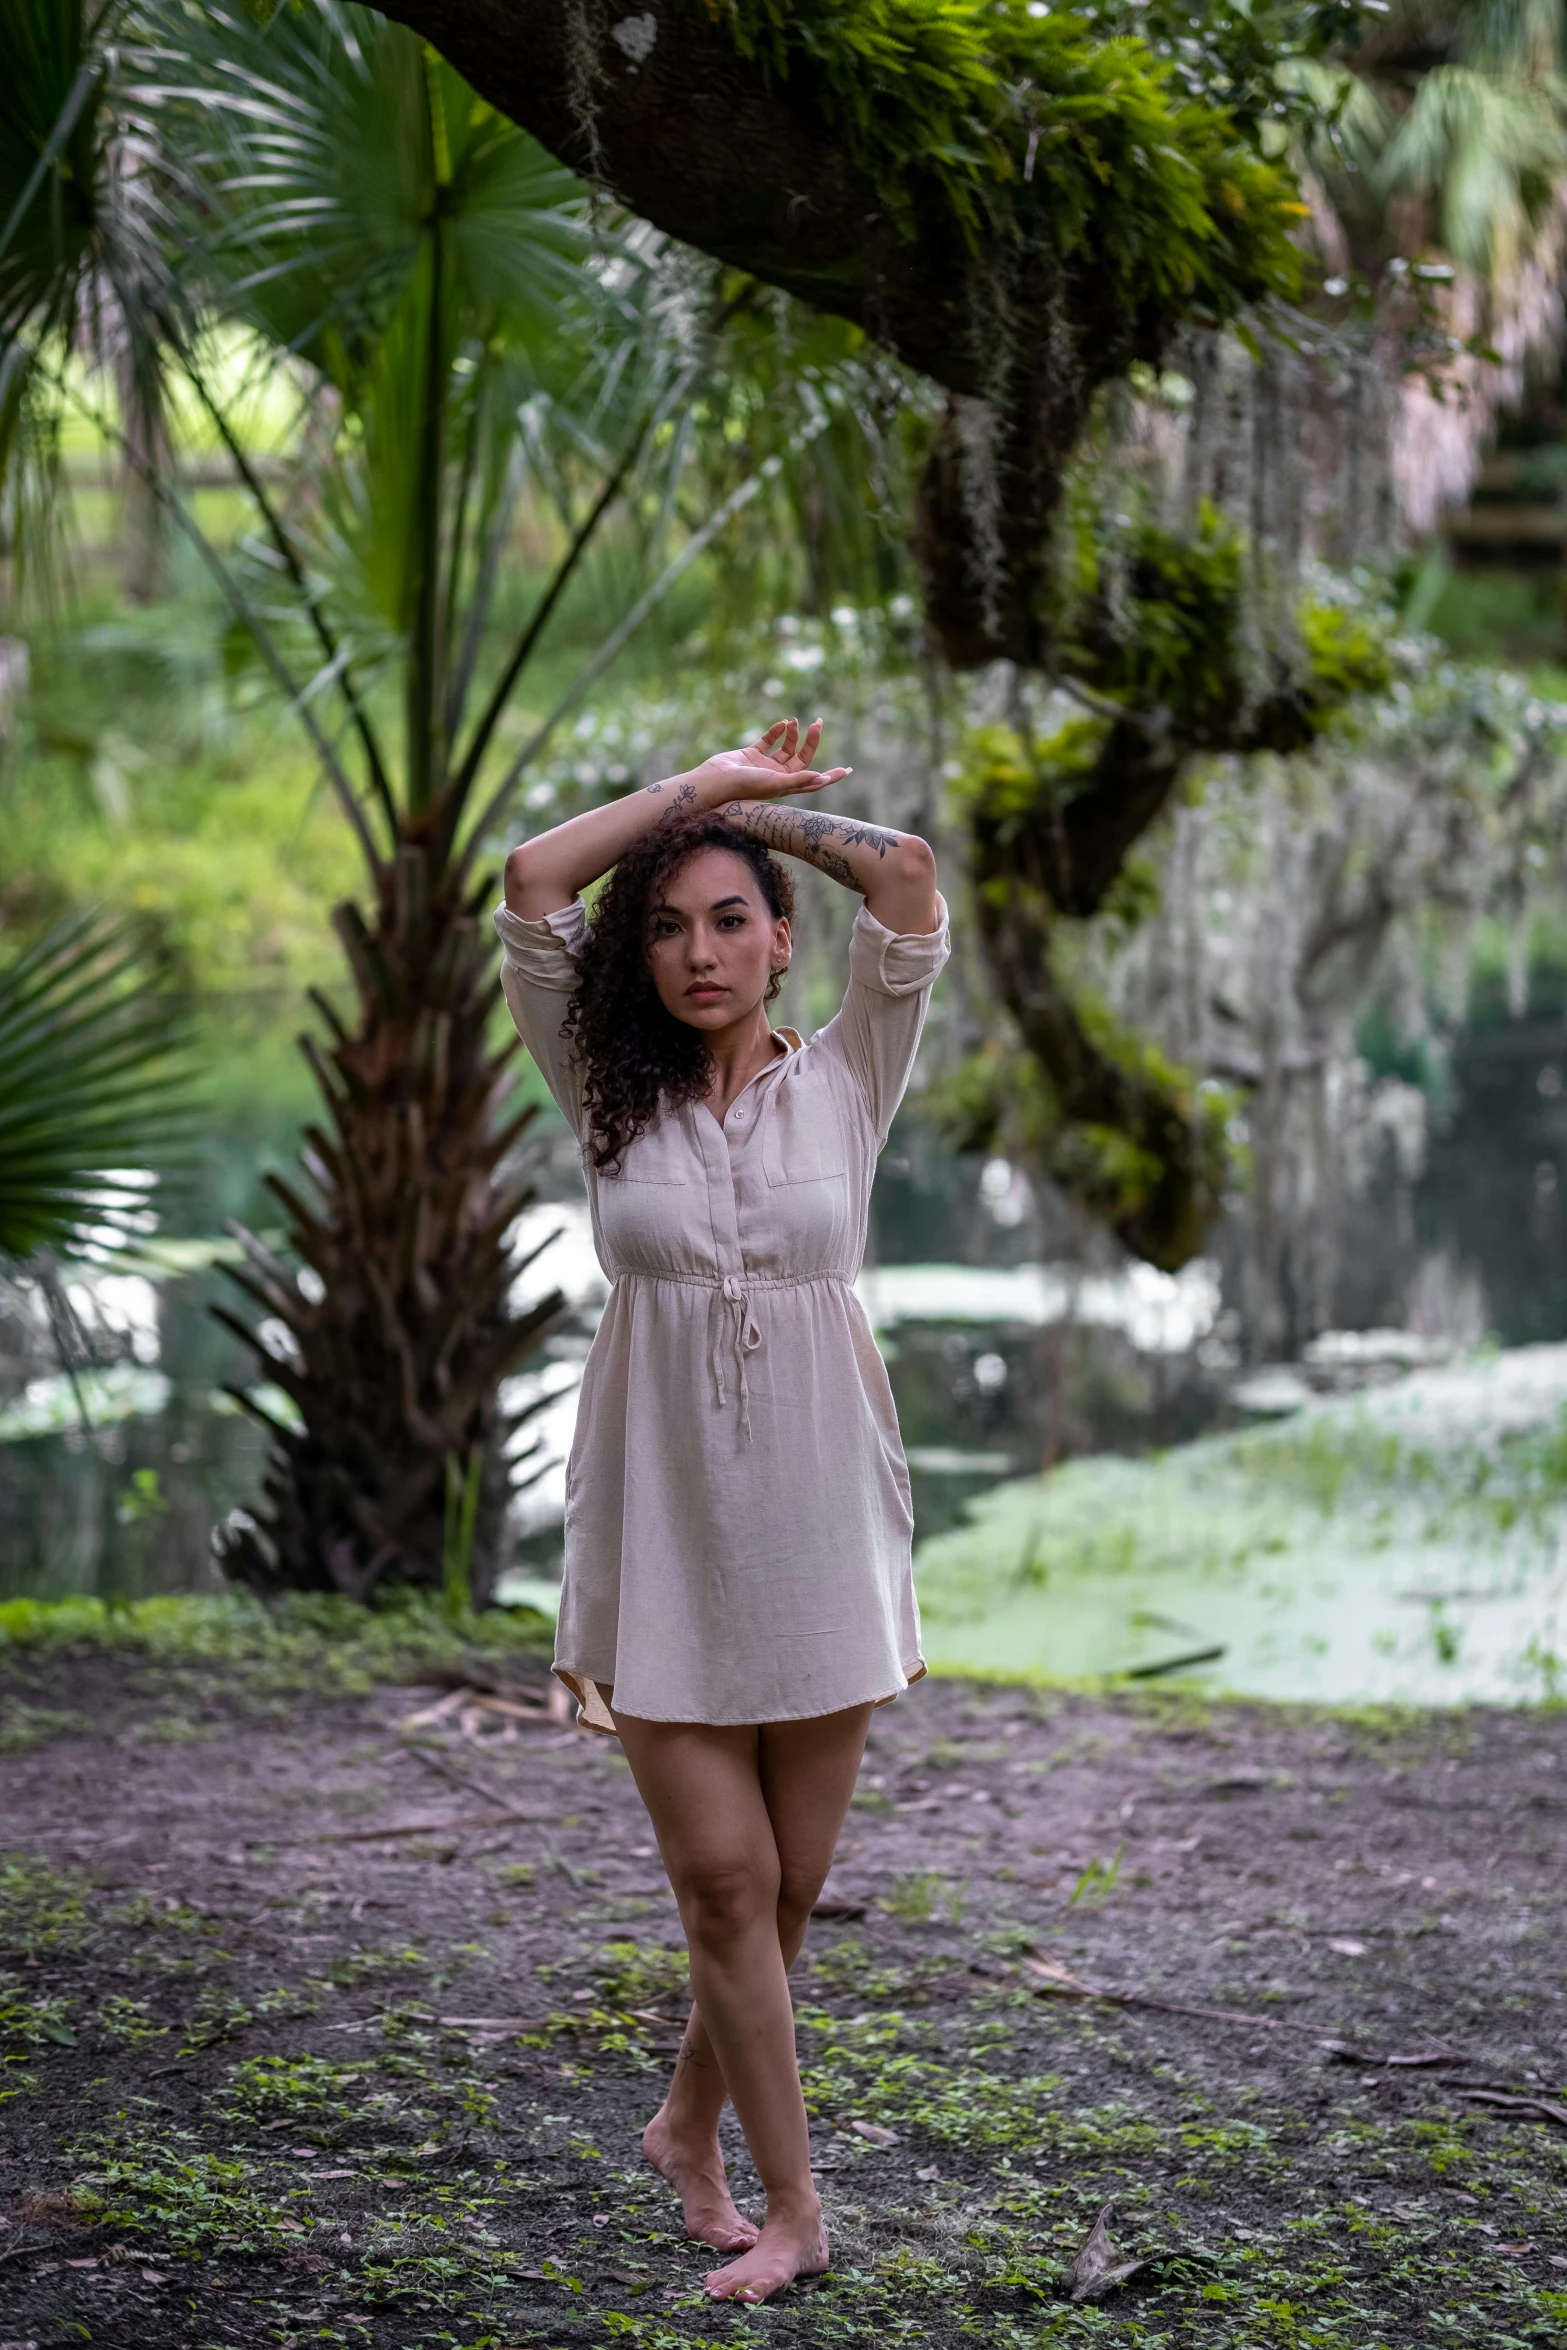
(733, 1330)
(747, 1338)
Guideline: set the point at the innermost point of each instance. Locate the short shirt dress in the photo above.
(738, 1521)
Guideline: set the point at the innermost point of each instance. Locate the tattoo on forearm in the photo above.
(868, 836)
(684, 795)
(811, 836)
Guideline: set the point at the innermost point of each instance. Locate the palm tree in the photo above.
(463, 332)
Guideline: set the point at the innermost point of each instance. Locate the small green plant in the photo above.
(1547, 1665)
(915, 1898)
(626, 1975)
(39, 1908)
(29, 2027)
(26, 1726)
(128, 2020)
(278, 2087)
(1097, 1881)
(1446, 1636)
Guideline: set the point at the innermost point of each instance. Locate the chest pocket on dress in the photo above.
(803, 1141)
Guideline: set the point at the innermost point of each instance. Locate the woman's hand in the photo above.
(776, 766)
(546, 873)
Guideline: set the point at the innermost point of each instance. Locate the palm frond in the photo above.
(83, 265)
(1485, 148)
(95, 1092)
(320, 146)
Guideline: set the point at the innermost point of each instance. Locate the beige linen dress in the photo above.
(737, 1502)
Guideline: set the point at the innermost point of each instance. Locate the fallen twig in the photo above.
(492, 2023)
(428, 1715)
(463, 1779)
(487, 1819)
(1175, 1664)
(468, 1705)
(572, 1876)
(1348, 2053)
(1542, 2108)
(1059, 1984)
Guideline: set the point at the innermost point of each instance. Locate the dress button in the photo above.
(739, 1117)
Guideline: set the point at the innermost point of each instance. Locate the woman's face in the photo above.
(713, 942)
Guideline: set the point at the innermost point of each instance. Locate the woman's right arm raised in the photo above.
(545, 874)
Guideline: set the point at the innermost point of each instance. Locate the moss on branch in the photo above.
(1042, 129)
(1052, 825)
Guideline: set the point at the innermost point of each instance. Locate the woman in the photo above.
(737, 1593)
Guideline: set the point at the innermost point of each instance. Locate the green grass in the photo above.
(296, 1643)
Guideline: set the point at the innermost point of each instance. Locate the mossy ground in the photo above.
(246, 2100)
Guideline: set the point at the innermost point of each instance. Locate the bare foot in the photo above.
(696, 2172)
(790, 2246)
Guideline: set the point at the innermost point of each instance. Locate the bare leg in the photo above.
(806, 1784)
(747, 1821)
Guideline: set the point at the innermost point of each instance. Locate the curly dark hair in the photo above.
(635, 1056)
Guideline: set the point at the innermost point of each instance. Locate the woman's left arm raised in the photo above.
(895, 872)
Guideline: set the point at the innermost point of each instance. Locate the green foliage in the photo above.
(72, 256)
(1005, 782)
(1178, 647)
(1097, 1881)
(40, 1910)
(1002, 1097)
(1155, 627)
(302, 1641)
(271, 2088)
(1182, 645)
(186, 2197)
(915, 1898)
(633, 1984)
(1042, 129)
(30, 2025)
(1346, 654)
(90, 1080)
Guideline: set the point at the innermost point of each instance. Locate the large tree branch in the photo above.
(1081, 250)
(698, 139)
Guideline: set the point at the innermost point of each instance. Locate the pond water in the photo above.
(1001, 1365)
(1408, 1544)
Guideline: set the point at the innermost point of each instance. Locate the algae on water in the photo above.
(1406, 1545)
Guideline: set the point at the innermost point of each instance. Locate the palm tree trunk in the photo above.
(400, 1329)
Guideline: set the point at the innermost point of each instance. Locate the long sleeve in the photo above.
(537, 977)
(876, 1031)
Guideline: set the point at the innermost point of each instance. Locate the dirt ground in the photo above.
(272, 2076)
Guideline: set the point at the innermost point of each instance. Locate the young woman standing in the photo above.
(737, 1593)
